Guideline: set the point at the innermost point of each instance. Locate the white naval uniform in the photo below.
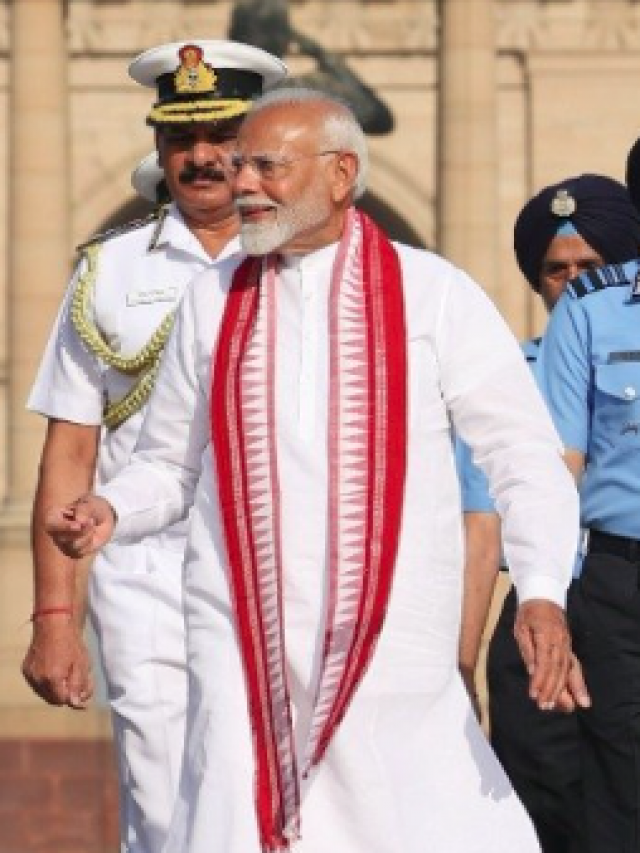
(135, 592)
(408, 770)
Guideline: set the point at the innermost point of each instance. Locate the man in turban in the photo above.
(566, 229)
(591, 212)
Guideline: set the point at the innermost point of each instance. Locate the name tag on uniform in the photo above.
(156, 294)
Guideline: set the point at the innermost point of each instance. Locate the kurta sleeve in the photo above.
(157, 487)
(497, 409)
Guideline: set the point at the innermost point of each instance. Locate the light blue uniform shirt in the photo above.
(589, 373)
(474, 486)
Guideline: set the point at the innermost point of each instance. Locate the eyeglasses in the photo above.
(268, 167)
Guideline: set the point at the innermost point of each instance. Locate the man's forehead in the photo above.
(269, 130)
(569, 246)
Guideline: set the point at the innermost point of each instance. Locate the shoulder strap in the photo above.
(614, 275)
(133, 225)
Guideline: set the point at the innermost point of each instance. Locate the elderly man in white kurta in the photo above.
(305, 410)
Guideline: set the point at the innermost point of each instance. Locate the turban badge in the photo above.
(563, 204)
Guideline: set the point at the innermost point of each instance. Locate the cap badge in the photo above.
(193, 75)
(563, 204)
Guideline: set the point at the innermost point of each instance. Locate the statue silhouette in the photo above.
(266, 24)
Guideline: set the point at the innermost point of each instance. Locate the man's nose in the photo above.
(245, 180)
(203, 153)
(572, 271)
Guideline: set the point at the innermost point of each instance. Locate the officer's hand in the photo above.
(81, 528)
(57, 665)
(545, 645)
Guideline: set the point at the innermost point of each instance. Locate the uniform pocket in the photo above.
(617, 402)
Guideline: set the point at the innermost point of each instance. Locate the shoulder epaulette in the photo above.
(614, 275)
(162, 215)
(134, 224)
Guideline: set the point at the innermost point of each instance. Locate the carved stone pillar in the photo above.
(467, 139)
(38, 217)
(38, 266)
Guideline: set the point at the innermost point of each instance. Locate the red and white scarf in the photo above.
(367, 461)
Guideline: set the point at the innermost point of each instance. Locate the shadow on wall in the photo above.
(266, 24)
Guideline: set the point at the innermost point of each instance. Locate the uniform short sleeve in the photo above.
(563, 372)
(69, 382)
(474, 485)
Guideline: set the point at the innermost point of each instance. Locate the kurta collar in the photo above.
(312, 263)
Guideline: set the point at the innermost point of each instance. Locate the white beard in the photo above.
(310, 210)
(262, 239)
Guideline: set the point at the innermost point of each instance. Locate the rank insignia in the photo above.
(194, 75)
(563, 204)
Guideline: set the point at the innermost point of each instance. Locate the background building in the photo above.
(478, 103)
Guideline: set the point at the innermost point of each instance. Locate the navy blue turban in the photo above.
(633, 173)
(598, 208)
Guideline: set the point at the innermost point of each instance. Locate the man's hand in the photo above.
(545, 645)
(57, 665)
(575, 694)
(81, 528)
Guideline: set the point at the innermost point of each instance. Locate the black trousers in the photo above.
(605, 612)
(538, 750)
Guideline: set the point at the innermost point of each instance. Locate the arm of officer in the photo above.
(482, 549)
(574, 460)
(57, 664)
(564, 376)
(481, 565)
(158, 485)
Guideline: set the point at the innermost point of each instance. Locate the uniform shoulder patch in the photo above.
(125, 228)
(593, 281)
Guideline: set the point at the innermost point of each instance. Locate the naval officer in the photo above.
(96, 376)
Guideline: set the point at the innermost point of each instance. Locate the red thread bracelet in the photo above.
(50, 611)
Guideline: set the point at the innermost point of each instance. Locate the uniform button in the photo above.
(629, 393)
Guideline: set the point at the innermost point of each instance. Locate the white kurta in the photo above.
(135, 592)
(409, 770)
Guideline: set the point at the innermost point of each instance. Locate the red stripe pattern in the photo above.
(367, 462)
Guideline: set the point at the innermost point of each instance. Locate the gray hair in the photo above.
(341, 127)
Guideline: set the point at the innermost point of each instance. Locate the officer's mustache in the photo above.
(192, 173)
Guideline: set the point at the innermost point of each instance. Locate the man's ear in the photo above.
(345, 172)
